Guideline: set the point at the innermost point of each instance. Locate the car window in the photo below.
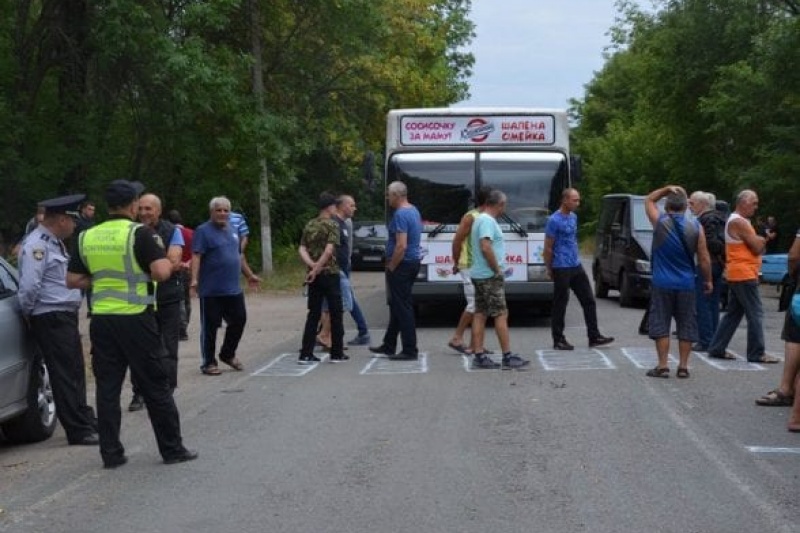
(8, 283)
(375, 231)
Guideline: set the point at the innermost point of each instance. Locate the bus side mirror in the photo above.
(575, 169)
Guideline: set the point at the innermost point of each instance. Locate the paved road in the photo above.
(583, 442)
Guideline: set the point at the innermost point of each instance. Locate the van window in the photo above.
(640, 220)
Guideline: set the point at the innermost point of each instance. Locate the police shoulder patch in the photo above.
(38, 254)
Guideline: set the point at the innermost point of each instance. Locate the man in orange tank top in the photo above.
(743, 249)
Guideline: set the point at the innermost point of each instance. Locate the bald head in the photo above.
(149, 209)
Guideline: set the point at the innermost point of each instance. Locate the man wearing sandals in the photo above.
(786, 392)
(676, 242)
(217, 260)
(743, 249)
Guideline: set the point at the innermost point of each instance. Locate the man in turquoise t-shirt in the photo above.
(488, 264)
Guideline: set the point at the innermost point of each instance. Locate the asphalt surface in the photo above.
(582, 442)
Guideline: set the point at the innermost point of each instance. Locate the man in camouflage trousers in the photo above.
(318, 251)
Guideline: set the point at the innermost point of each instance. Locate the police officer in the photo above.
(51, 310)
(120, 259)
(168, 293)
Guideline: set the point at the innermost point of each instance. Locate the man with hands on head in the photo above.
(676, 242)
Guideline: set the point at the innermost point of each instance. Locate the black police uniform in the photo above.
(119, 341)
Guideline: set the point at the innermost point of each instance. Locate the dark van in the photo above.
(622, 249)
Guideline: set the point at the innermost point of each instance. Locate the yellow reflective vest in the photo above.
(119, 285)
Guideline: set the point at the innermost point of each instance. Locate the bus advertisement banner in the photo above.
(502, 130)
(519, 253)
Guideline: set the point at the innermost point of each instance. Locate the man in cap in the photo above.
(120, 259)
(318, 251)
(51, 310)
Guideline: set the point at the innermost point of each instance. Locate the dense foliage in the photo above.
(163, 91)
(702, 93)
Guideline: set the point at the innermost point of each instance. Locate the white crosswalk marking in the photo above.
(740, 363)
(384, 365)
(286, 365)
(579, 359)
(645, 358)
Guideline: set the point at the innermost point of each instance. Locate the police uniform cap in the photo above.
(120, 193)
(63, 205)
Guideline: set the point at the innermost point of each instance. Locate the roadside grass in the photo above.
(288, 272)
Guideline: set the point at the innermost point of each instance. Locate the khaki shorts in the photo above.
(490, 296)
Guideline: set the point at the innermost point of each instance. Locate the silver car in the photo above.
(27, 409)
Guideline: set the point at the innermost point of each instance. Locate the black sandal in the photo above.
(682, 373)
(775, 398)
(658, 372)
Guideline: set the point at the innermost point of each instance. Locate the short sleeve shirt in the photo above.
(220, 262)
(563, 229)
(318, 233)
(486, 227)
(406, 220)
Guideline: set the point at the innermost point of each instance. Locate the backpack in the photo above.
(714, 229)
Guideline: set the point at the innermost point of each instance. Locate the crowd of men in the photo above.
(138, 271)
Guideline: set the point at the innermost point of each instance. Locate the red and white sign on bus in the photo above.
(494, 130)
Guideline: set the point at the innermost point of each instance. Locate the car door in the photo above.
(13, 361)
(620, 237)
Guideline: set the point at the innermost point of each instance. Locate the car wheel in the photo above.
(600, 286)
(39, 421)
(626, 296)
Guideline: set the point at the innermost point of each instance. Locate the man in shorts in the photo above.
(676, 241)
(462, 261)
(487, 276)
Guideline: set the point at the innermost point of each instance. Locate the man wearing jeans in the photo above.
(564, 267)
(743, 249)
(402, 266)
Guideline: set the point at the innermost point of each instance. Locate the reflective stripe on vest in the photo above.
(119, 285)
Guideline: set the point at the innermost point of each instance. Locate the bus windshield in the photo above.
(533, 182)
(442, 184)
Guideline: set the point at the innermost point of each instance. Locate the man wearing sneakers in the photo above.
(318, 251)
(564, 267)
(488, 278)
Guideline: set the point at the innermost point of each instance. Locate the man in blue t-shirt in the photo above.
(403, 256)
(565, 269)
(676, 241)
(217, 260)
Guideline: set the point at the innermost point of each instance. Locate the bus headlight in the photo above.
(537, 273)
(642, 266)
